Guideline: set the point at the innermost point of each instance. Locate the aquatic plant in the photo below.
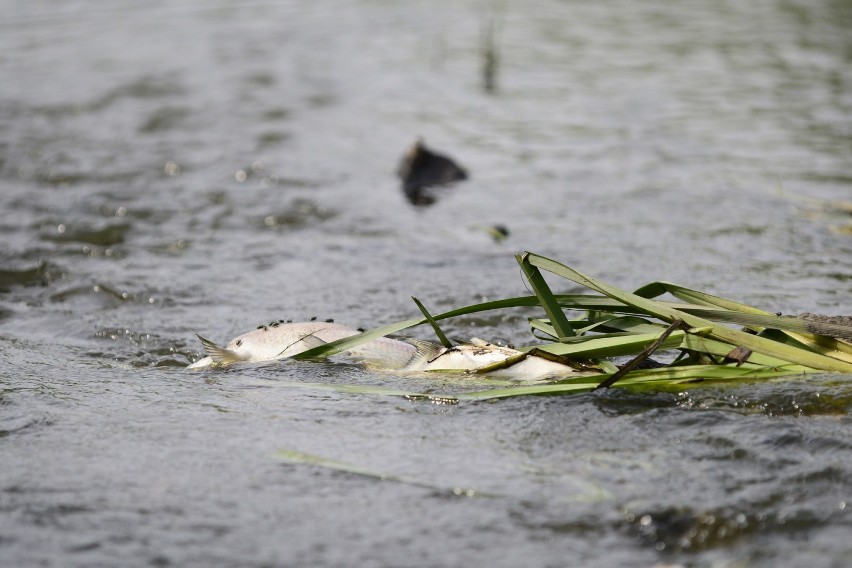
(698, 336)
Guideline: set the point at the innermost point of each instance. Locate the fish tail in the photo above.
(220, 355)
(425, 353)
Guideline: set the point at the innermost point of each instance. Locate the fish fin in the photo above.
(425, 351)
(220, 355)
(310, 342)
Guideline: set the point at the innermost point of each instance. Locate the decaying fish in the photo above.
(280, 340)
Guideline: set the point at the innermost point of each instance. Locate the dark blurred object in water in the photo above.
(498, 232)
(490, 58)
(421, 169)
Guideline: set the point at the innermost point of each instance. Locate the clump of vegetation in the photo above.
(698, 336)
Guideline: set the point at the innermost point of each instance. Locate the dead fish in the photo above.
(407, 357)
(477, 355)
(270, 343)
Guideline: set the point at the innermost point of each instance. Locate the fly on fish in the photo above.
(281, 340)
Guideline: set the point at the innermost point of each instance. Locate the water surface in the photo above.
(182, 167)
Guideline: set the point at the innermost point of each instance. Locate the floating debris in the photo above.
(422, 168)
(498, 232)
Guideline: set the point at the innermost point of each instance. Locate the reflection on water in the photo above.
(169, 168)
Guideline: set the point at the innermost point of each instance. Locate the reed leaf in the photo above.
(666, 313)
(548, 302)
(296, 457)
(615, 345)
(691, 296)
(441, 337)
(668, 375)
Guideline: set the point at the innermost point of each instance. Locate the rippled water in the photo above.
(170, 168)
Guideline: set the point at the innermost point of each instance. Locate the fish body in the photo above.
(280, 340)
(503, 362)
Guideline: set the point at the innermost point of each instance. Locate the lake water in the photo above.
(172, 168)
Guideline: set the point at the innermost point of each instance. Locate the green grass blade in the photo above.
(295, 457)
(623, 324)
(548, 302)
(691, 296)
(743, 314)
(720, 349)
(825, 345)
(770, 321)
(544, 327)
(593, 347)
(664, 376)
(441, 337)
(662, 311)
(624, 343)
